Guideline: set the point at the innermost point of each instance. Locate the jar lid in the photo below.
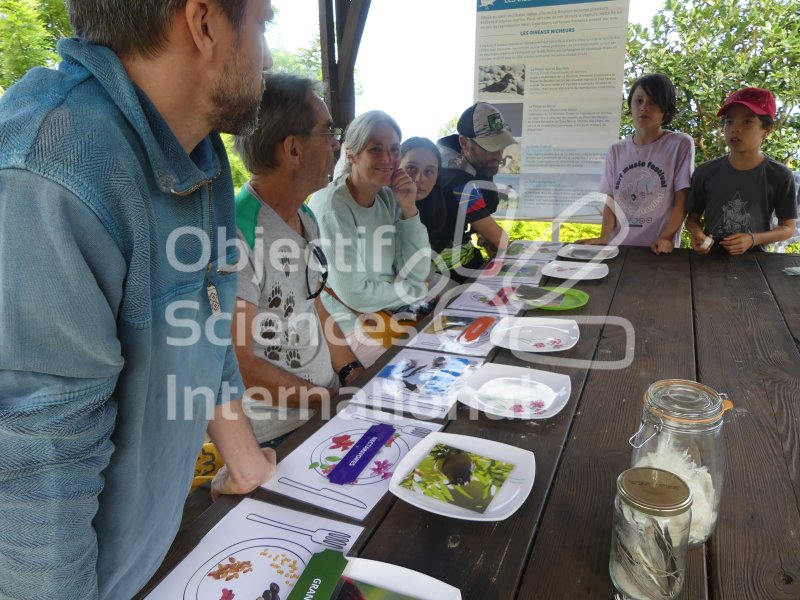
(654, 491)
(686, 401)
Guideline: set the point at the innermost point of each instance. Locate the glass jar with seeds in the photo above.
(650, 534)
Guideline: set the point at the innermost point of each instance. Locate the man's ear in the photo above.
(202, 20)
(291, 148)
(463, 142)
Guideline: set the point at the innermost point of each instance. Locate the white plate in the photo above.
(516, 392)
(399, 580)
(563, 269)
(535, 334)
(509, 498)
(588, 252)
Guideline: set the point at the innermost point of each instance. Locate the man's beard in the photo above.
(235, 107)
(487, 173)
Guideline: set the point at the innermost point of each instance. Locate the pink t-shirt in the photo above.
(643, 180)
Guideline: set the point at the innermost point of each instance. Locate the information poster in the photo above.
(554, 68)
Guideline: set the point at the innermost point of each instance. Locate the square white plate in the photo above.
(400, 580)
(535, 334)
(509, 498)
(563, 269)
(588, 252)
(516, 392)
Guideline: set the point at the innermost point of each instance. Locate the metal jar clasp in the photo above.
(656, 430)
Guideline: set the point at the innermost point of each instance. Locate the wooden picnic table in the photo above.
(732, 323)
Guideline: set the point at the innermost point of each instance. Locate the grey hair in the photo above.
(135, 27)
(358, 135)
(285, 110)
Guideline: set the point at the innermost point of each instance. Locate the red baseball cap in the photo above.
(760, 101)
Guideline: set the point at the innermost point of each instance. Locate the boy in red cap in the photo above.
(733, 197)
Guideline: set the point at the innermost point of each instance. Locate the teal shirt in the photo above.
(376, 258)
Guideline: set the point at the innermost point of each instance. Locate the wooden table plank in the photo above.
(486, 560)
(744, 348)
(786, 291)
(571, 551)
(785, 288)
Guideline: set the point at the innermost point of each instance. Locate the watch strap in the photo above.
(347, 369)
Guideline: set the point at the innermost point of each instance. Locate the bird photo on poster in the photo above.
(501, 79)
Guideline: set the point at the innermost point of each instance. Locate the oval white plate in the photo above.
(516, 392)
(535, 334)
(400, 580)
(509, 498)
(588, 252)
(563, 269)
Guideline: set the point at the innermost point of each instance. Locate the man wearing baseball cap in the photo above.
(733, 197)
(470, 160)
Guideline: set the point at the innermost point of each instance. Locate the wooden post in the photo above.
(341, 27)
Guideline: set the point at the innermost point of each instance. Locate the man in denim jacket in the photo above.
(116, 287)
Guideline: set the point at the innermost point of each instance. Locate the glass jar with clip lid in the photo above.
(681, 432)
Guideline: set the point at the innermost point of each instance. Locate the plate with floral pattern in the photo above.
(535, 334)
(516, 392)
(563, 269)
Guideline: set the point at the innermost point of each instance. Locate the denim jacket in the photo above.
(111, 360)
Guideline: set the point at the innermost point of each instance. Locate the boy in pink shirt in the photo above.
(647, 176)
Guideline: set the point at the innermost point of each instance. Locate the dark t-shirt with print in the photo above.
(735, 201)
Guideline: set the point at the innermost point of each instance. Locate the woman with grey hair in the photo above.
(370, 225)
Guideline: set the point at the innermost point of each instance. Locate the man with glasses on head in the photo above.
(285, 339)
(470, 160)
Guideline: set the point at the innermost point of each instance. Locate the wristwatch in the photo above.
(347, 369)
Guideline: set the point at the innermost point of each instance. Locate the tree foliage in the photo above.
(449, 127)
(55, 19)
(239, 172)
(29, 30)
(710, 48)
(306, 61)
